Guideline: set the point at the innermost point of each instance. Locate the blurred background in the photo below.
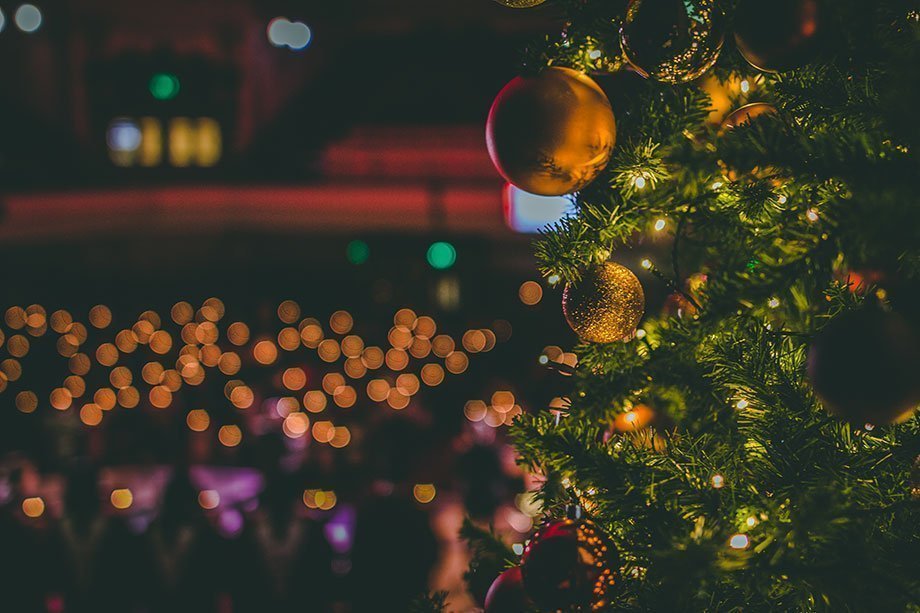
(268, 309)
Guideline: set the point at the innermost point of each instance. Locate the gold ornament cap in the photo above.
(606, 305)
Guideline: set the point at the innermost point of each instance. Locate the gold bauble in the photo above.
(606, 305)
(551, 134)
(741, 116)
(746, 113)
(520, 4)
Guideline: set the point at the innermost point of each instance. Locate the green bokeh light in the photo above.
(357, 252)
(441, 255)
(164, 86)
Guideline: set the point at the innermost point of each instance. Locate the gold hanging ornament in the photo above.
(605, 305)
(551, 134)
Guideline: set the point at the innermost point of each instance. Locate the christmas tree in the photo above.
(753, 444)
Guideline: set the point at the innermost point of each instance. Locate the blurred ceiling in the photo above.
(155, 114)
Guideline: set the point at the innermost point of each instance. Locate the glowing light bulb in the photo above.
(646, 264)
(811, 215)
(741, 404)
(745, 86)
(781, 199)
(773, 302)
(660, 224)
(739, 541)
(639, 182)
(751, 521)
(28, 18)
(718, 481)
(553, 279)
(640, 333)
(717, 185)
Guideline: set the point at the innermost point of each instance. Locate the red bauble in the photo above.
(778, 35)
(551, 134)
(507, 595)
(863, 366)
(570, 564)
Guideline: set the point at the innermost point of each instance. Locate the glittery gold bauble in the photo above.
(605, 305)
(551, 134)
(778, 35)
(674, 41)
(520, 4)
(570, 564)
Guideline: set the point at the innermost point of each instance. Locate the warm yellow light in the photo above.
(718, 481)
(33, 507)
(295, 425)
(230, 436)
(208, 499)
(198, 420)
(122, 498)
(181, 144)
(530, 293)
(208, 142)
(424, 492)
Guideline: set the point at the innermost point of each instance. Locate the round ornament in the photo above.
(674, 41)
(551, 134)
(777, 36)
(605, 305)
(569, 564)
(863, 366)
(506, 594)
(746, 114)
(520, 4)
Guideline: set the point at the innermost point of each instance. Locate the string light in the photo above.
(718, 481)
(739, 541)
(660, 225)
(646, 264)
(741, 404)
(773, 302)
(811, 215)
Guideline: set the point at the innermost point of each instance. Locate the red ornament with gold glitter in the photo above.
(570, 564)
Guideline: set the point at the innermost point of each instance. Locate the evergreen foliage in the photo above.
(776, 214)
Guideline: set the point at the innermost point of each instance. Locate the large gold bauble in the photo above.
(551, 134)
(606, 305)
